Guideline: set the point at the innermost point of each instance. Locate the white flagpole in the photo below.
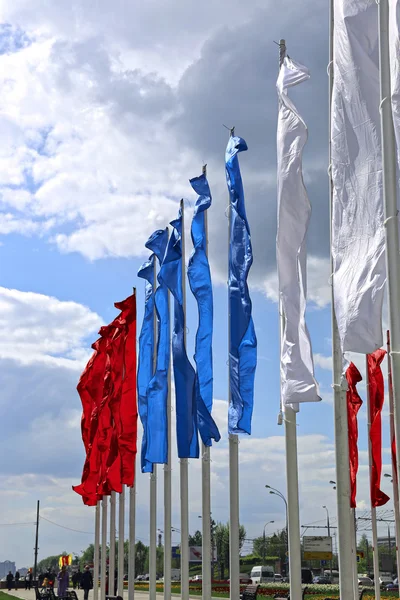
(153, 475)
(96, 553)
(356, 592)
(206, 491)
(184, 471)
(394, 473)
(391, 213)
(168, 489)
(103, 548)
(340, 405)
(121, 542)
(111, 565)
(292, 477)
(234, 545)
(132, 533)
(375, 553)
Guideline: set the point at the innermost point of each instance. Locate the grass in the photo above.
(4, 596)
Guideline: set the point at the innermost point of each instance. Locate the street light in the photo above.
(329, 534)
(276, 492)
(269, 522)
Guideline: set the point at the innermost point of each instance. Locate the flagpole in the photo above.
(153, 475)
(96, 552)
(292, 476)
(234, 545)
(103, 548)
(132, 533)
(111, 566)
(121, 542)
(394, 471)
(207, 557)
(391, 222)
(184, 470)
(375, 553)
(356, 592)
(339, 394)
(168, 488)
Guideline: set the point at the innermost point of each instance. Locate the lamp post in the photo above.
(269, 522)
(329, 534)
(276, 492)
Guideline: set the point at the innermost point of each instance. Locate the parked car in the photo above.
(384, 580)
(392, 587)
(278, 578)
(322, 580)
(365, 582)
(244, 579)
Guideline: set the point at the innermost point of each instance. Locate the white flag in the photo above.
(358, 237)
(394, 41)
(294, 210)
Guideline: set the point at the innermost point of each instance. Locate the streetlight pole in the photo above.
(329, 535)
(269, 522)
(276, 492)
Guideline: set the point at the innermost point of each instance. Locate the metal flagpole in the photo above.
(103, 568)
(168, 489)
(184, 471)
(111, 565)
(292, 476)
(121, 542)
(375, 553)
(153, 476)
(234, 545)
(339, 393)
(356, 592)
(394, 472)
(132, 533)
(96, 563)
(206, 491)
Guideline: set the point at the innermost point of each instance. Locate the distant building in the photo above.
(23, 571)
(5, 567)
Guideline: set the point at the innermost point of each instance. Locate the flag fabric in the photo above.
(358, 236)
(243, 341)
(157, 393)
(294, 210)
(146, 355)
(394, 44)
(354, 404)
(200, 283)
(376, 399)
(184, 375)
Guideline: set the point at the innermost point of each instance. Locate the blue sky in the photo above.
(104, 117)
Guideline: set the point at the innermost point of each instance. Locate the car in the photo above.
(322, 580)
(392, 587)
(244, 579)
(278, 578)
(365, 582)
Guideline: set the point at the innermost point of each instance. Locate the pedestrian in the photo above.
(28, 580)
(63, 581)
(86, 582)
(79, 579)
(17, 579)
(9, 579)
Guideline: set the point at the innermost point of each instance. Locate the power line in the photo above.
(15, 524)
(68, 528)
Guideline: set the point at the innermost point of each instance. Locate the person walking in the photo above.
(17, 576)
(86, 582)
(63, 581)
(28, 580)
(9, 579)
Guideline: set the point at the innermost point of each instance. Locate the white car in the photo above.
(278, 578)
(365, 582)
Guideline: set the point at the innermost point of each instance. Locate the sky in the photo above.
(106, 111)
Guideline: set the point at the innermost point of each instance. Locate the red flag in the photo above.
(354, 404)
(376, 399)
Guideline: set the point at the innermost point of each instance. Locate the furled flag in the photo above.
(358, 237)
(294, 210)
(354, 404)
(394, 44)
(146, 355)
(243, 341)
(184, 375)
(376, 399)
(157, 393)
(200, 283)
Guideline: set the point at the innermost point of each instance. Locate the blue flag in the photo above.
(200, 284)
(184, 375)
(157, 392)
(243, 341)
(146, 355)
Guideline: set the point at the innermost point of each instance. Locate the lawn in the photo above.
(4, 596)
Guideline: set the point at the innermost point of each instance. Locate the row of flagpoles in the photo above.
(364, 226)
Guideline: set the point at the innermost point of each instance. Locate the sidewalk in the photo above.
(30, 595)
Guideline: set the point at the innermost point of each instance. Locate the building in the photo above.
(5, 567)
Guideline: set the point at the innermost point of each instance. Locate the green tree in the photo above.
(87, 557)
(50, 563)
(141, 558)
(222, 545)
(196, 539)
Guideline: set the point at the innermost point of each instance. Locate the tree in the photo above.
(87, 556)
(260, 546)
(50, 563)
(222, 544)
(196, 539)
(141, 558)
